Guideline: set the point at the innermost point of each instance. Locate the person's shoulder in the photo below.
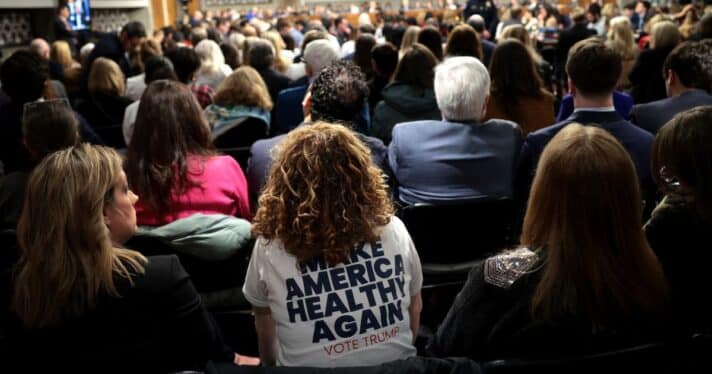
(159, 274)
(265, 145)
(639, 133)
(502, 124)
(546, 133)
(504, 269)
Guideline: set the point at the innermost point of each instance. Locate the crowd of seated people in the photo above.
(294, 139)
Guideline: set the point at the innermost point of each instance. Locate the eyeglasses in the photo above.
(43, 106)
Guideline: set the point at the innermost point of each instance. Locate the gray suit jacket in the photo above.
(653, 115)
(440, 161)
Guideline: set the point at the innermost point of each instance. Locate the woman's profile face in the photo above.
(120, 214)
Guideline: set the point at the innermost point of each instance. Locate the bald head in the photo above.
(40, 47)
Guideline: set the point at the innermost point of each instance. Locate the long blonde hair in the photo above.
(410, 37)
(105, 77)
(280, 63)
(584, 213)
(67, 256)
(520, 33)
(61, 54)
(621, 38)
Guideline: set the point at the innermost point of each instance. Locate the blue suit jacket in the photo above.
(441, 162)
(635, 140)
(653, 115)
(289, 109)
(621, 101)
(261, 153)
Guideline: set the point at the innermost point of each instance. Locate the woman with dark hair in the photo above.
(463, 41)
(678, 228)
(325, 213)
(517, 93)
(84, 301)
(410, 97)
(172, 164)
(430, 37)
(362, 54)
(583, 280)
(232, 57)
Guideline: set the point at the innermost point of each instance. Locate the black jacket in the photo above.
(679, 237)
(159, 324)
(488, 321)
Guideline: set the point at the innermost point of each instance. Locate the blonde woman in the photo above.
(61, 54)
(622, 40)
(105, 106)
(240, 113)
(648, 83)
(212, 65)
(410, 37)
(325, 213)
(281, 55)
(84, 301)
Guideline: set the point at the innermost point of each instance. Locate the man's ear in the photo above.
(484, 107)
(306, 105)
(670, 77)
(572, 88)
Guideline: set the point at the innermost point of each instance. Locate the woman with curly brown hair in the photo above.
(332, 266)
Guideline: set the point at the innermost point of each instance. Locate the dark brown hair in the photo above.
(513, 76)
(682, 147)
(687, 60)
(362, 55)
(593, 68)
(430, 37)
(584, 214)
(464, 41)
(169, 127)
(323, 195)
(416, 67)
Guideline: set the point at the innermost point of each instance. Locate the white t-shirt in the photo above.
(135, 86)
(129, 119)
(350, 314)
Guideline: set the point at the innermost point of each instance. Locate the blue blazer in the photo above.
(439, 162)
(635, 140)
(621, 101)
(653, 115)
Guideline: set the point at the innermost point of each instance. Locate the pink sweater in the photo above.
(223, 190)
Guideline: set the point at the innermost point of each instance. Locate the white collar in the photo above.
(595, 109)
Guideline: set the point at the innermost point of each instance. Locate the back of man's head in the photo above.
(319, 54)
(23, 77)
(134, 29)
(48, 127)
(260, 54)
(40, 47)
(461, 88)
(159, 67)
(185, 63)
(338, 93)
(197, 35)
(477, 23)
(385, 59)
(688, 62)
(593, 68)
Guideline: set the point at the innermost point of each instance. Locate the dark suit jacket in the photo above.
(635, 140)
(652, 116)
(261, 154)
(487, 50)
(648, 83)
(13, 153)
(275, 82)
(159, 324)
(440, 162)
(569, 37)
